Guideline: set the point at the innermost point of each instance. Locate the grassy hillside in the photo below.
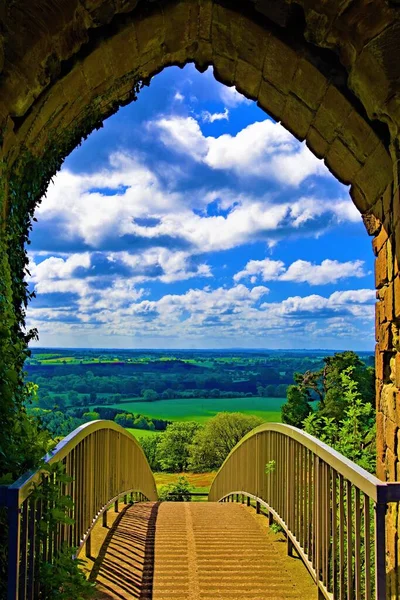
(202, 409)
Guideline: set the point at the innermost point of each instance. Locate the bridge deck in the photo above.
(195, 551)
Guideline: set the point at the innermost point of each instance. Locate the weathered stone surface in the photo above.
(376, 174)
(280, 65)
(332, 114)
(317, 144)
(297, 117)
(381, 271)
(391, 430)
(271, 100)
(397, 296)
(372, 224)
(342, 162)
(247, 79)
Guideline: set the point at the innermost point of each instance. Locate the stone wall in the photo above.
(329, 71)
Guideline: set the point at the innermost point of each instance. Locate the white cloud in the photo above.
(208, 117)
(264, 149)
(228, 314)
(267, 269)
(231, 97)
(301, 271)
(79, 210)
(355, 302)
(329, 271)
(179, 97)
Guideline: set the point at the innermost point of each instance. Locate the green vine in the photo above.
(62, 577)
(22, 185)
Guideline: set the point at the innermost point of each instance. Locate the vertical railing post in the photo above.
(88, 546)
(380, 548)
(105, 518)
(14, 534)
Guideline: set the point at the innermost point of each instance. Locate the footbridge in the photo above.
(330, 513)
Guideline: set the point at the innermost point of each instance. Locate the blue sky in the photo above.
(193, 220)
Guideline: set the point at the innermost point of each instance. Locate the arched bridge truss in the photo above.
(332, 511)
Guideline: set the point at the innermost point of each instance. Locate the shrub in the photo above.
(176, 492)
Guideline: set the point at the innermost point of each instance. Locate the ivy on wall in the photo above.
(22, 442)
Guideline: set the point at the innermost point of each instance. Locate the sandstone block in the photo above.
(357, 195)
(205, 19)
(379, 365)
(271, 100)
(357, 134)
(297, 117)
(247, 79)
(280, 65)
(396, 206)
(374, 177)
(150, 32)
(388, 302)
(390, 257)
(96, 67)
(225, 33)
(372, 224)
(178, 36)
(397, 296)
(123, 52)
(390, 465)
(384, 336)
(253, 45)
(309, 84)
(380, 437)
(317, 144)
(381, 271)
(332, 114)
(391, 430)
(342, 162)
(224, 69)
(379, 241)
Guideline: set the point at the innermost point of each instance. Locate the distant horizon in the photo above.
(227, 349)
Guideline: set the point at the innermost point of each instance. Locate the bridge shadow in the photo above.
(124, 568)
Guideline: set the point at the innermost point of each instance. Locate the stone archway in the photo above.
(329, 74)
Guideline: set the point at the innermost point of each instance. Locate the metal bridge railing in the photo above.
(105, 462)
(332, 511)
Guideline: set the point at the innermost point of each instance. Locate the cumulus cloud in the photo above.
(267, 269)
(355, 303)
(302, 271)
(264, 149)
(236, 313)
(208, 117)
(126, 208)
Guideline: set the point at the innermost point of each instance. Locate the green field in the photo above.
(202, 409)
(141, 433)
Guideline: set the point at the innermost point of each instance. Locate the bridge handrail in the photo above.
(332, 510)
(23, 485)
(105, 462)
